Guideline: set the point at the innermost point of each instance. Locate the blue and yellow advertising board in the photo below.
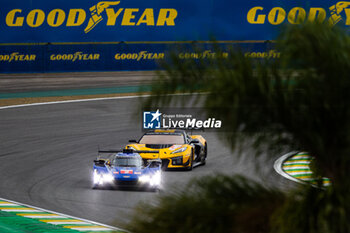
(83, 35)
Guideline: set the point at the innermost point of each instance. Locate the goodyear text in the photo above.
(142, 55)
(278, 15)
(207, 54)
(77, 17)
(15, 57)
(77, 56)
(266, 55)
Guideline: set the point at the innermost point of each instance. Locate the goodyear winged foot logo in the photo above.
(96, 14)
(278, 15)
(336, 10)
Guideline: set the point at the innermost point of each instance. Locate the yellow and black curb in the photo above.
(18, 217)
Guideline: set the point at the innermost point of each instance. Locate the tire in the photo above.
(191, 163)
(204, 157)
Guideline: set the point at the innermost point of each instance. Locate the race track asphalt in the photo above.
(46, 155)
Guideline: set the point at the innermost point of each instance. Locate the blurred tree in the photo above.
(300, 101)
(212, 204)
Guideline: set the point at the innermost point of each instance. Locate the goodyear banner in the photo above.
(82, 35)
(109, 57)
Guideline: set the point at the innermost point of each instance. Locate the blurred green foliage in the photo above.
(311, 210)
(299, 101)
(211, 204)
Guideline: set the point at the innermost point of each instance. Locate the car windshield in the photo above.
(162, 139)
(127, 162)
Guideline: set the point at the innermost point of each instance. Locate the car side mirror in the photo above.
(194, 141)
(133, 140)
(99, 162)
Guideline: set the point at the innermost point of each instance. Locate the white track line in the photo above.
(42, 216)
(87, 100)
(7, 204)
(73, 101)
(297, 162)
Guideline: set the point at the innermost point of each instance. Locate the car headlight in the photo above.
(101, 178)
(131, 147)
(153, 180)
(96, 177)
(107, 178)
(177, 160)
(179, 150)
(156, 179)
(144, 179)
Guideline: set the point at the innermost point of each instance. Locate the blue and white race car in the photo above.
(126, 168)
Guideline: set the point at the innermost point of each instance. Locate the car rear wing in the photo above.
(102, 161)
(127, 151)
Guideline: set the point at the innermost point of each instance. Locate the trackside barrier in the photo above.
(80, 35)
(112, 56)
(41, 21)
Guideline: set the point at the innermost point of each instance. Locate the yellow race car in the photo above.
(176, 148)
